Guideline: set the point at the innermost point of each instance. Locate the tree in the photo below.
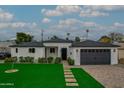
(68, 34)
(23, 37)
(77, 39)
(116, 36)
(105, 39)
(54, 37)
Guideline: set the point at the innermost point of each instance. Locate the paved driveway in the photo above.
(111, 76)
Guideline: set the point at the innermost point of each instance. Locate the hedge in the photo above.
(50, 59)
(10, 60)
(26, 59)
(42, 60)
(57, 60)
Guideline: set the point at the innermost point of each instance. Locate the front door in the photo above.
(64, 53)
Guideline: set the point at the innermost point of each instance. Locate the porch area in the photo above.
(56, 52)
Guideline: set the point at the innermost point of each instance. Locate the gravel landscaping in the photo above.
(111, 76)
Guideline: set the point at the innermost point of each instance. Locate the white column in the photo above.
(59, 52)
(114, 56)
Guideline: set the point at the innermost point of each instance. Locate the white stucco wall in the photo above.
(24, 51)
(59, 46)
(76, 55)
(114, 56)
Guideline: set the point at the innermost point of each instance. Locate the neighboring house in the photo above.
(4, 46)
(85, 52)
(121, 50)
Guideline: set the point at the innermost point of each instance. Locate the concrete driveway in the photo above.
(111, 76)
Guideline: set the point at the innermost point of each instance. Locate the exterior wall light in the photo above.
(114, 50)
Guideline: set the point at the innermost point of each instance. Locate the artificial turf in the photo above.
(33, 76)
(85, 80)
(43, 76)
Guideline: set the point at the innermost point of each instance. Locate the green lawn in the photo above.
(42, 76)
(33, 75)
(85, 80)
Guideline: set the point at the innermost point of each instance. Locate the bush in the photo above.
(42, 60)
(21, 59)
(70, 61)
(10, 60)
(26, 59)
(50, 59)
(31, 59)
(57, 60)
(15, 59)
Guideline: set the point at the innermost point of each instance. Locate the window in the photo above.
(16, 50)
(31, 50)
(52, 50)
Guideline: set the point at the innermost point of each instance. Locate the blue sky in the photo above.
(59, 20)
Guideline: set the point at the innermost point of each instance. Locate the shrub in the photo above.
(10, 60)
(21, 59)
(57, 60)
(26, 59)
(50, 59)
(31, 59)
(15, 59)
(42, 60)
(70, 61)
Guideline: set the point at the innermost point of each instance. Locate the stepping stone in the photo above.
(70, 80)
(69, 76)
(67, 73)
(72, 84)
(67, 70)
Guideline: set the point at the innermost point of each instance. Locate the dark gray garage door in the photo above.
(94, 56)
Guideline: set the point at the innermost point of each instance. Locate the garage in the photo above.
(94, 56)
(90, 52)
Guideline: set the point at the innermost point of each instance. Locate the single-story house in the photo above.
(84, 52)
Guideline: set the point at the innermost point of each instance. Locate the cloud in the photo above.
(46, 20)
(92, 13)
(5, 16)
(17, 25)
(104, 7)
(69, 22)
(61, 10)
(68, 9)
(117, 24)
(98, 10)
(89, 24)
(84, 11)
(51, 13)
(73, 21)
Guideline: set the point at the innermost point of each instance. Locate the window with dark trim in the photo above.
(31, 50)
(52, 50)
(16, 50)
